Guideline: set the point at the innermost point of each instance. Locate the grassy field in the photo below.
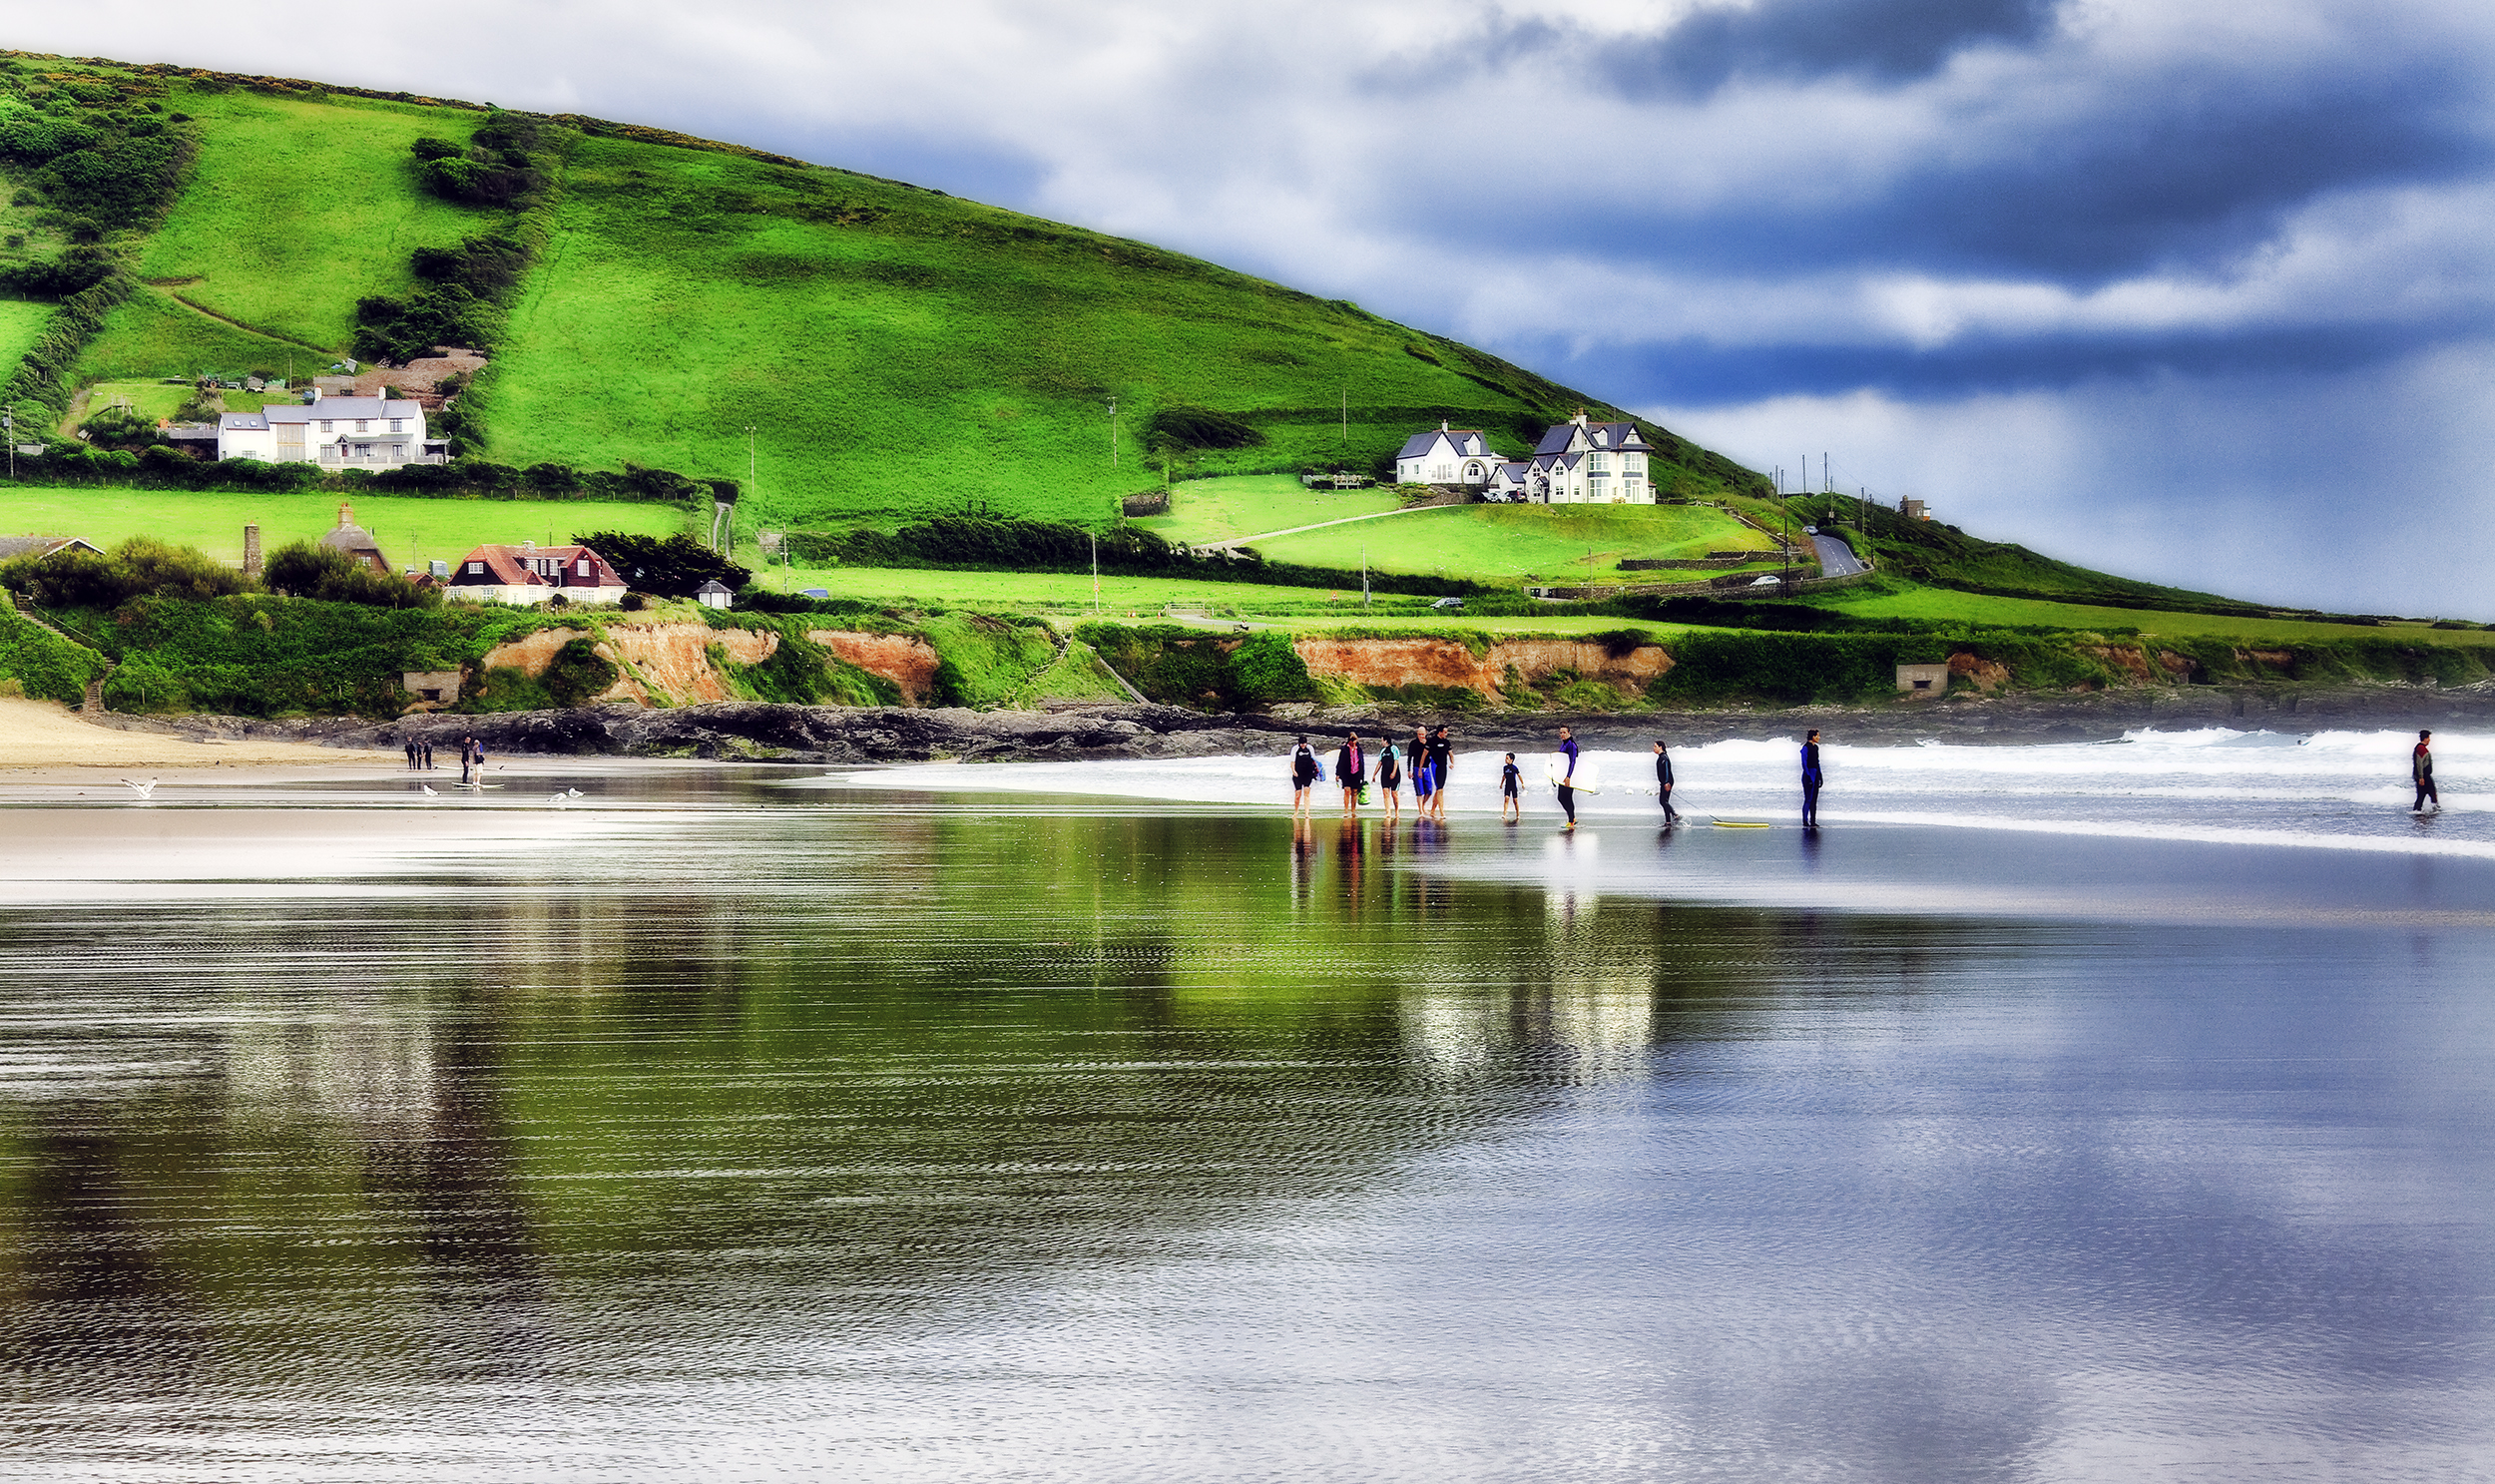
(408, 529)
(152, 334)
(297, 208)
(21, 324)
(161, 400)
(1246, 505)
(1974, 608)
(1502, 544)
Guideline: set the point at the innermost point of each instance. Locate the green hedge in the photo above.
(46, 665)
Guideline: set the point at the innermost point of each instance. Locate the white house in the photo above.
(1589, 463)
(1446, 456)
(334, 432)
(532, 574)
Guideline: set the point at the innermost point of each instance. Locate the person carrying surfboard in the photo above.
(1662, 781)
(1810, 780)
(1566, 783)
(2421, 774)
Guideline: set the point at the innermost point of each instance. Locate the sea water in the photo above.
(2054, 1113)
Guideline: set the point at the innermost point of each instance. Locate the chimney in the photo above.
(346, 515)
(315, 395)
(251, 550)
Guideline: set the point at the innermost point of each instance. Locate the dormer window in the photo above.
(476, 569)
(584, 566)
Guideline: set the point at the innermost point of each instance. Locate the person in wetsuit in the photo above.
(1810, 780)
(1424, 771)
(1511, 789)
(1441, 765)
(1567, 779)
(2421, 774)
(1390, 778)
(1662, 781)
(1303, 776)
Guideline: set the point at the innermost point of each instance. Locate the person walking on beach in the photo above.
(424, 750)
(1304, 773)
(1566, 783)
(412, 754)
(467, 749)
(1441, 766)
(1810, 780)
(1662, 781)
(1511, 790)
(1424, 771)
(1390, 778)
(1351, 771)
(2421, 774)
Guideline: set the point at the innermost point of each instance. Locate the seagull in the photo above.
(574, 792)
(428, 790)
(143, 790)
(560, 799)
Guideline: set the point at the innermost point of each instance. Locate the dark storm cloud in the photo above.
(1881, 41)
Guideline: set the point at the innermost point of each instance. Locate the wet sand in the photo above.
(42, 740)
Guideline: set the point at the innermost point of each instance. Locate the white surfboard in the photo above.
(1555, 768)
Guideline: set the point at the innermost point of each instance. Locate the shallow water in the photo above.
(733, 1126)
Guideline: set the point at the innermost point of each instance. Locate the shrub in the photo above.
(576, 672)
(430, 148)
(304, 569)
(1202, 427)
(120, 424)
(138, 566)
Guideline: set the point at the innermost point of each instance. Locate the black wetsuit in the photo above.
(1303, 769)
(1811, 783)
(1389, 772)
(1441, 761)
(1567, 791)
(1511, 779)
(1663, 783)
(2421, 773)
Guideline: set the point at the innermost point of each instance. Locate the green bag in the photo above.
(1363, 795)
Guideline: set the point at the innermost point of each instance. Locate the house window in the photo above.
(328, 426)
(584, 566)
(363, 426)
(476, 569)
(329, 451)
(398, 424)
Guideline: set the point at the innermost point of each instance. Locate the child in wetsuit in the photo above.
(1511, 790)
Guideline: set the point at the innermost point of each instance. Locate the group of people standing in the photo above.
(1428, 758)
(471, 757)
(1431, 755)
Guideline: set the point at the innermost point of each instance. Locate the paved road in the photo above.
(1836, 559)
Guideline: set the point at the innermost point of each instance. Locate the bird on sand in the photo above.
(428, 790)
(143, 790)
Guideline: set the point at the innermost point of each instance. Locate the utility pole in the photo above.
(8, 425)
(1095, 570)
(1364, 574)
(1113, 434)
(1346, 417)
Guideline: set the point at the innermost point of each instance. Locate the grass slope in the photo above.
(903, 354)
(1247, 505)
(408, 529)
(21, 324)
(297, 208)
(1515, 544)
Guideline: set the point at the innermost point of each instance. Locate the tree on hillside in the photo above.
(138, 566)
(119, 426)
(672, 568)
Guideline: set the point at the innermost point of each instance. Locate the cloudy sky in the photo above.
(2193, 290)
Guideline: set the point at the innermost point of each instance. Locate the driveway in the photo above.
(1836, 559)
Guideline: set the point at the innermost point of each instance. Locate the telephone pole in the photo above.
(1112, 432)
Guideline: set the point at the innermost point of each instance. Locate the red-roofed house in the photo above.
(531, 574)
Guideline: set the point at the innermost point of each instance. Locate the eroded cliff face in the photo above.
(1449, 663)
(906, 660)
(655, 664)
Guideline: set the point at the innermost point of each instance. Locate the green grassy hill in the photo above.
(896, 351)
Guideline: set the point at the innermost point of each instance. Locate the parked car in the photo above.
(1450, 605)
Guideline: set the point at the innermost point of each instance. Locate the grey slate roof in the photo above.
(1420, 444)
(329, 410)
(12, 547)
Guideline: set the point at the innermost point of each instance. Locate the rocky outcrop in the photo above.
(906, 660)
(1986, 676)
(655, 664)
(1451, 663)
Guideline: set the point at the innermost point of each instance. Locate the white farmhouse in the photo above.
(1446, 456)
(1586, 464)
(334, 432)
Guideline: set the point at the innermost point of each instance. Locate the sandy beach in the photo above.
(44, 737)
